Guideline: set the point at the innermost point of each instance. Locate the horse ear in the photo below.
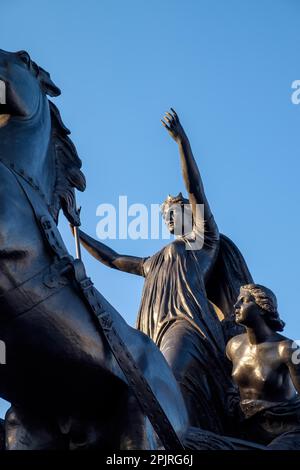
(47, 85)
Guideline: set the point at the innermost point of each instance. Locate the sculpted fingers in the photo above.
(175, 115)
(171, 119)
(166, 126)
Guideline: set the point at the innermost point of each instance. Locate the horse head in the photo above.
(33, 137)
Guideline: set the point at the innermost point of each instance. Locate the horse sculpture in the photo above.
(66, 385)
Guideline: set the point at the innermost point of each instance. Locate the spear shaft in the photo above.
(77, 243)
(77, 236)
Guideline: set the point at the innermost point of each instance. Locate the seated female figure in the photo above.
(266, 368)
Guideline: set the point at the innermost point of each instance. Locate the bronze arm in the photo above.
(109, 257)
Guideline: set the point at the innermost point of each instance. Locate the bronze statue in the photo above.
(73, 364)
(77, 376)
(175, 311)
(266, 368)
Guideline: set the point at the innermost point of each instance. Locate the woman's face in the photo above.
(178, 218)
(246, 309)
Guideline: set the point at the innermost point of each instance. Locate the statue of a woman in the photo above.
(175, 311)
(266, 368)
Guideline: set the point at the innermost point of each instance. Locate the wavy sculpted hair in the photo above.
(266, 300)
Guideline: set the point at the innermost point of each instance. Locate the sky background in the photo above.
(227, 68)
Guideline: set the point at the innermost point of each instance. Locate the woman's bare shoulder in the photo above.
(234, 343)
(286, 348)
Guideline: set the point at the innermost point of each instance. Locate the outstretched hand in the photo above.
(173, 126)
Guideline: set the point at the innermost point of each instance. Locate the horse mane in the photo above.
(68, 173)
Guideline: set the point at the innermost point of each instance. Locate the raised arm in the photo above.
(109, 257)
(190, 171)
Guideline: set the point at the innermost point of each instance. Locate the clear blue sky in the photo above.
(227, 68)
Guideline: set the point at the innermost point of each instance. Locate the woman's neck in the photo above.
(260, 333)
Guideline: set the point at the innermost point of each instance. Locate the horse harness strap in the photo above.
(35, 290)
(139, 386)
